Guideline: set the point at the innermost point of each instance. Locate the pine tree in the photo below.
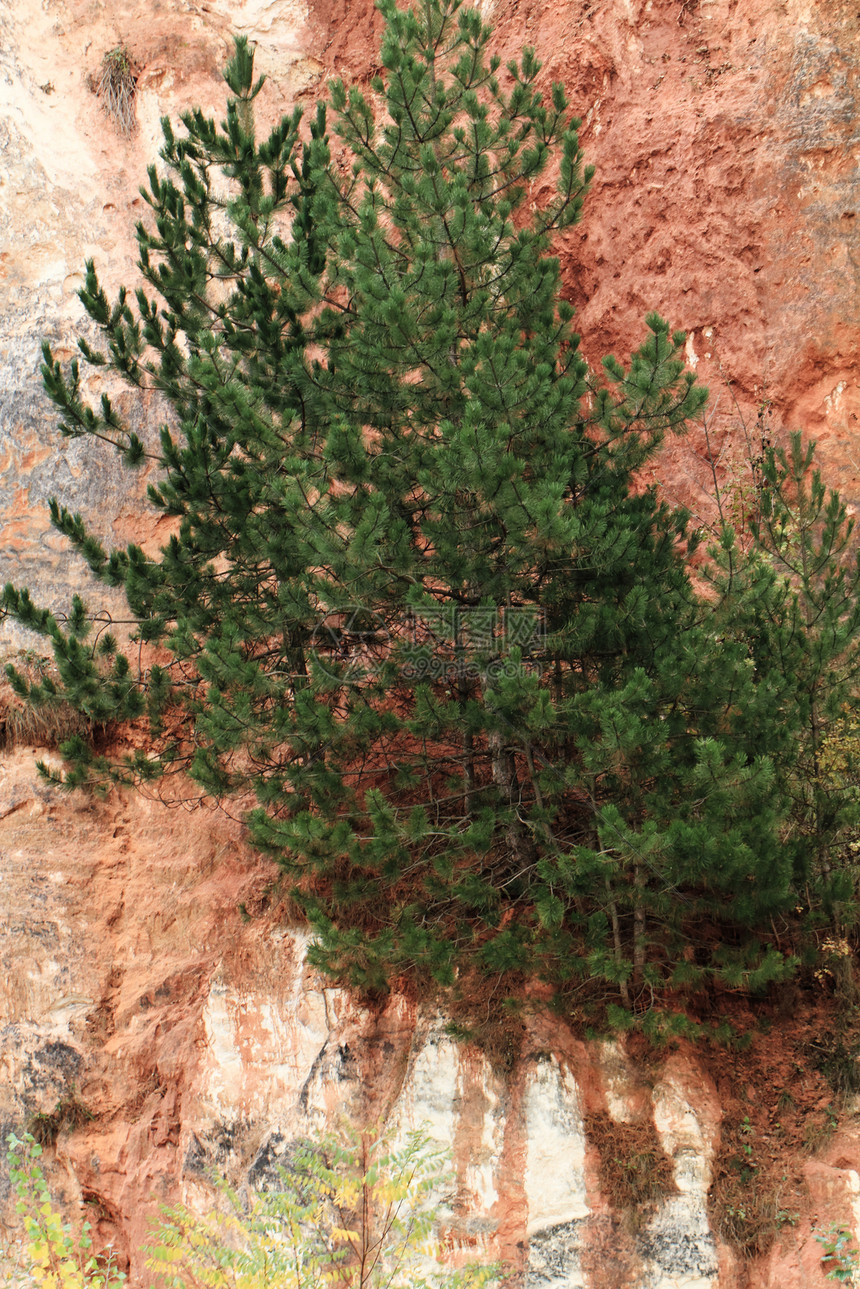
(416, 603)
(807, 623)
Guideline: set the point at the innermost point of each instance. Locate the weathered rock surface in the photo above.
(150, 995)
(726, 143)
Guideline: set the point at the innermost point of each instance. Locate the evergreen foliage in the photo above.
(794, 598)
(416, 602)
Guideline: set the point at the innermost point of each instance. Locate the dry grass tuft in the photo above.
(26, 724)
(751, 1211)
(116, 86)
(68, 1114)
(635, 1172)
(752, 1196)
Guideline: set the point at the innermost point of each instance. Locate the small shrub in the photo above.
(841, 1255)
(360, 1216)
(116, 86)
(49, 1254)
(68, 1114)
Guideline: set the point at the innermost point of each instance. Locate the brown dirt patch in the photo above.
(785, 1097)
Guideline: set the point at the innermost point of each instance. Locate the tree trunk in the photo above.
(521, 844)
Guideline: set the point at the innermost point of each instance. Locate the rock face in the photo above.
(136, 1003)
(157, 1010)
